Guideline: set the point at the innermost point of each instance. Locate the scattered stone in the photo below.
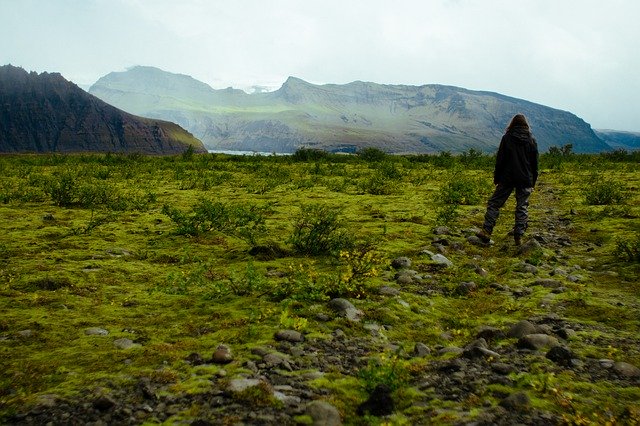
(476, 241)
(450, 350)
(125, 343)
(380, 402)
(292, 336)
(529, 246)
(338, 334)
(537, 341)
(401, 263)
(323, 414)
(345, 309)
(441, 230)
(103, 403)
(566, 333)
(421, 350)
(490, 333)
(606, 363)
(547, 283)
(48, 217)
(407, 276)
(502, 368)
(559, 271)
(388, 291)
(222, 355)
(322, 317)
(276, 359)
(48, 400)
(452, 366)
(465, 288)
(626, 370)
(478, 349)
(517, 401)
(575, 278)
(118, 252)
(25, 333)
(525, 268)
(240, 385)
(561, 355)
(194, 358)
(441, 260)
(95, 331)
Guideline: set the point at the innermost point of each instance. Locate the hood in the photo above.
(521, 133)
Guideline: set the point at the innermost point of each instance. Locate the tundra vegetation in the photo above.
(155, 289)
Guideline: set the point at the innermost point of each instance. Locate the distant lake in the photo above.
(224, 151)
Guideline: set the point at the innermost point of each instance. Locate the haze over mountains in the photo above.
(394, 118)
(46, 113)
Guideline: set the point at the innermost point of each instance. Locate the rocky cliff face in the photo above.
(46, 113)
(394, 118)
(629, 141)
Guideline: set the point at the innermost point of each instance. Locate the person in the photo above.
(516, 168)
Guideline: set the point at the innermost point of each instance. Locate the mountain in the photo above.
(629, 141)
(394, 118)
(46, 113)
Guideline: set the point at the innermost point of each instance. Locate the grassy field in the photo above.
(181, 254)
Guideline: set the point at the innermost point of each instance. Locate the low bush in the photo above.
(628, 249)
(318, 230)
(601, 192)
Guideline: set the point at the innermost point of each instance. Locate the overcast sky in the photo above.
(581, 56)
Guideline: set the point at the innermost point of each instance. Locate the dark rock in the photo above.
(547, 283)
(194, 358)
(625, 369)
(104, 403)
(292, 336)
(441, 230)
(95, 331)
(518, 402)
(401, 263)
(529, 246)
(452, 366)
(464, 288)
(222, 355)
(537, 341)
(561, 355)
(388, 291)
(323, 414)
(421, 350)
(502, 368)
(345, 309)
(521, 328)
(380, 402)
(490, 333)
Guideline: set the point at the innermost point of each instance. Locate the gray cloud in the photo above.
(576, 55)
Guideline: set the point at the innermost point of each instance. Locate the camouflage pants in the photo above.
(497, 200)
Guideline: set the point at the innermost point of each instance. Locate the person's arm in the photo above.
(498, 171)
(534, 162)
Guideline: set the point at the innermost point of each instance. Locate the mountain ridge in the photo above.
(346, 117)
(47, 113)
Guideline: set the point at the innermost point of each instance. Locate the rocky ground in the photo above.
(477, 382)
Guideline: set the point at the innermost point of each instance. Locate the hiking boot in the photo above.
(484, 236)
(517, 239)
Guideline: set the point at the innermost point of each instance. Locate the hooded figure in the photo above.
(516, 168)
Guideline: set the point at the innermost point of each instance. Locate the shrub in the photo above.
(318, 230)
(628, 249)
(602, 192)
(247, 223)
(371, 154)
(309, 154)
(459, 189)
(389, 371)
(377, 184)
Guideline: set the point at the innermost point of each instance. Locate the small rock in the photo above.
(292, 336)
(124, 343)
(48, 217)
(103, 403)
(490, 333)
(274, 360)
(323, 414)
(626, 370)
(476, 241)
(322, 317)
(441, 230)
(575, 278)
(421, 350)
(465, 288)
(537, 341)
(401, 263)
(380, 402)
(529, 246)
(441, 260)
(606, 363)
(239, 385)
(194, 358)
(25, 333)
(502, 368)
(346, 309)
(95, 331)
(517, 401)
(222, 355)
(566, 333)
(559, 271)
(521, 328)
(450, 350)
(388, 291)
(547, 283)
(560, 355)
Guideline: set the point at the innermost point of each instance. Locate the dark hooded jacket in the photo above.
(517, 159)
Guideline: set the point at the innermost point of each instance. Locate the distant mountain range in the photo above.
(394, 118)
(46, 113)
(629, 141)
